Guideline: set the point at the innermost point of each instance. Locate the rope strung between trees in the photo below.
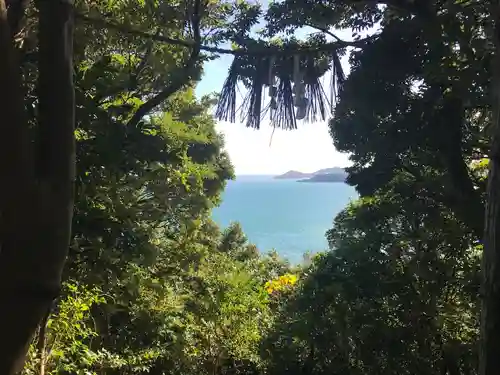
(253, 51)
(291, 74)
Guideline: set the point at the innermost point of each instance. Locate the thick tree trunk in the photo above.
(464, 199)
(489, 360)
(490, 309)
(36, 199)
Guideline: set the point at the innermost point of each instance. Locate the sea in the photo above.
(285, 215)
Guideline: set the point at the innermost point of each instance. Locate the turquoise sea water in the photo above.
(286, 215)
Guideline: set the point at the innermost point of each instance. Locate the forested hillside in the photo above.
(150, 285)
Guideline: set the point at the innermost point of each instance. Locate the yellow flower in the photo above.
(280, 283)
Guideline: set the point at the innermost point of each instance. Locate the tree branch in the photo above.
(42, 342)
(254, 51)
(339, 40)
(134, 79)
(15, 14)
(325, 30)
(417, 7)
(132, 83)
(180, 76)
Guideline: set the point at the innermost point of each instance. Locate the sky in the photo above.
(306, 149)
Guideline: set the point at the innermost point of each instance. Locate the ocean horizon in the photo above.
(285, 215)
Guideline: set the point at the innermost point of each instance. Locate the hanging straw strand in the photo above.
(284, 115)
(226, 105)
(337, 80)
(317, 99)
(252, 104)
(317, 102)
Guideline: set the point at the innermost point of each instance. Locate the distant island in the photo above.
(334, 174)
(293, 175)
(327, 177)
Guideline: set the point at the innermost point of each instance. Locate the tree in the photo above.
(61, 344)
(448, 32)
(37, 201)
(141, 231)
(37, 146)
(397, 293)
(448, 71)
(142, 237)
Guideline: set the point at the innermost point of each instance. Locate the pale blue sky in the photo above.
(306, 149)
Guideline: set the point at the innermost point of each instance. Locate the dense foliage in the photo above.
(153, 286)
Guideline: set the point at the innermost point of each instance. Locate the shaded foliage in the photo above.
(154, 286)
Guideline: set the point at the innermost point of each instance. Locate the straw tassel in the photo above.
(317, 102)
(226, 105)
(298, 85)
(284, 116)
(272, 89)
(338, 79)
(317, 99)
(252, 104)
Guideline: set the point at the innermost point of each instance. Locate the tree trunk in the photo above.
(490, 309)
(42, 344)
(489, 356)
(36, 199)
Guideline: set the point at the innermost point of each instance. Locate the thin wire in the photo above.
(271, 139)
